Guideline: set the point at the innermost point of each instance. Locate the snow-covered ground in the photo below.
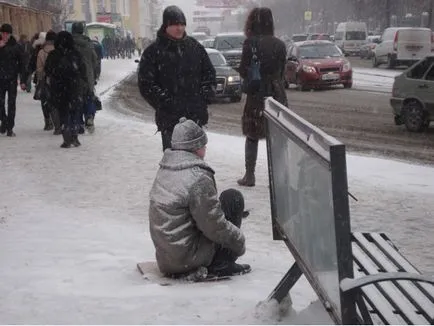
(73, 225)
(375, 79)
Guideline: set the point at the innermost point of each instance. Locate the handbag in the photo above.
(97, 102)
(40, 90)
(252, 83)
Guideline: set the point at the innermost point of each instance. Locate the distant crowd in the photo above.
(64, 68)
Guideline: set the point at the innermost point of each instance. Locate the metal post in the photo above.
(430, 14)
(388, 13)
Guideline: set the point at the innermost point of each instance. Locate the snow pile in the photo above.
(73, 225)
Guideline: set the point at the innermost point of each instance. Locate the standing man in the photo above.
(86, 48)
(11, 65)
(176, 76)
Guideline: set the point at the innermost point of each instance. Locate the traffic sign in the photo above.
(308, 15)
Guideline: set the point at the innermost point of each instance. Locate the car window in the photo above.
(217, 59)
(430, 74)
(420, 69)
(290, 50)
(299, 38)
(339, 36)
(319, 51)
(355, 36)
(230, 42)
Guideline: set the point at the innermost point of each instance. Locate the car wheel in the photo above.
(300, 86)
(414, 116)
(390, 62)
(375, 63)
(398, 120)
(236, 99)
(348, 85)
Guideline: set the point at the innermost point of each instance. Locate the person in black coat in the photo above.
(176, 76)
(12, 64)
(66, 74)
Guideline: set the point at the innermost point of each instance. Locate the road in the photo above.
(360, 117)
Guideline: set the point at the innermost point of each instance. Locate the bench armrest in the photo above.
(349, 284)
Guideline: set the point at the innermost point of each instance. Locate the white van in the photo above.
(402, 46)
(351, 36)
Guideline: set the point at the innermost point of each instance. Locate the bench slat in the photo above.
(388, 289)
(376, 300)
(423, 304)
(399, 259)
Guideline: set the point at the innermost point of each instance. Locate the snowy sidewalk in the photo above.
(73, 225)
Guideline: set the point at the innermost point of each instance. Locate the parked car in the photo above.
(199, 36)
(231, 46)
(367, 50)
(351, 36)
(228, 79)
(314, 64)
(412, 98)
(319, 36)
(298, 38)
(402, 46)
(208, 43)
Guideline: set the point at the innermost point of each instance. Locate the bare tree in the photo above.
(60, 9)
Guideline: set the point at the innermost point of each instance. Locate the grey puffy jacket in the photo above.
(185, 218)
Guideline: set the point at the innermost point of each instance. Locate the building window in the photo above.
(70, 5)
(126, 7)
(113, 6)
(85, 9)
(100, 5)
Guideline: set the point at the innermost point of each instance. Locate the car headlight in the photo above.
(346, 67)
(309, 69)
(234, 79)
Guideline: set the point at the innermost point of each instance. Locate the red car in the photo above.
(313, 64)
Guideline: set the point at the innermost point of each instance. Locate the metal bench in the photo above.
(360, 278)
(393, 290)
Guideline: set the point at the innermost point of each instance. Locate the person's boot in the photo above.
(56, 122)
(251, 155)
(90, 126)
(67, 138)
(10, 133)
(3, 127)
(75, 141)
(227, 268)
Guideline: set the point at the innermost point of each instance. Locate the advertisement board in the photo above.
(220, 3)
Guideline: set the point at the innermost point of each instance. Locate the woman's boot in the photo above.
(67, 138)
(251, 155)
(56, 121)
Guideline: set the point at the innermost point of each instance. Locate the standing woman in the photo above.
(271, 53)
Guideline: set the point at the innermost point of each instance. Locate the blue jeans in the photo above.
(88, 110)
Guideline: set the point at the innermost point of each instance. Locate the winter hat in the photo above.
(188, 136)
(6, 28)
(51, 36)
(173, 15)
(78, 28)
(232, 204)
(64, 40)
(40, 40)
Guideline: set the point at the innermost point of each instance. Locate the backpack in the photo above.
(252, 84)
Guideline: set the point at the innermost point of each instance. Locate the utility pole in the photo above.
(430, 14)
(388, 13)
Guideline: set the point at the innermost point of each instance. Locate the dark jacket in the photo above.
(185, 218)
(66, 76)
(86, 48)
(27, 49)
(177, 78)
(272, 55)
(12, 61)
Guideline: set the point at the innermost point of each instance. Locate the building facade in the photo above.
(134, 17)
